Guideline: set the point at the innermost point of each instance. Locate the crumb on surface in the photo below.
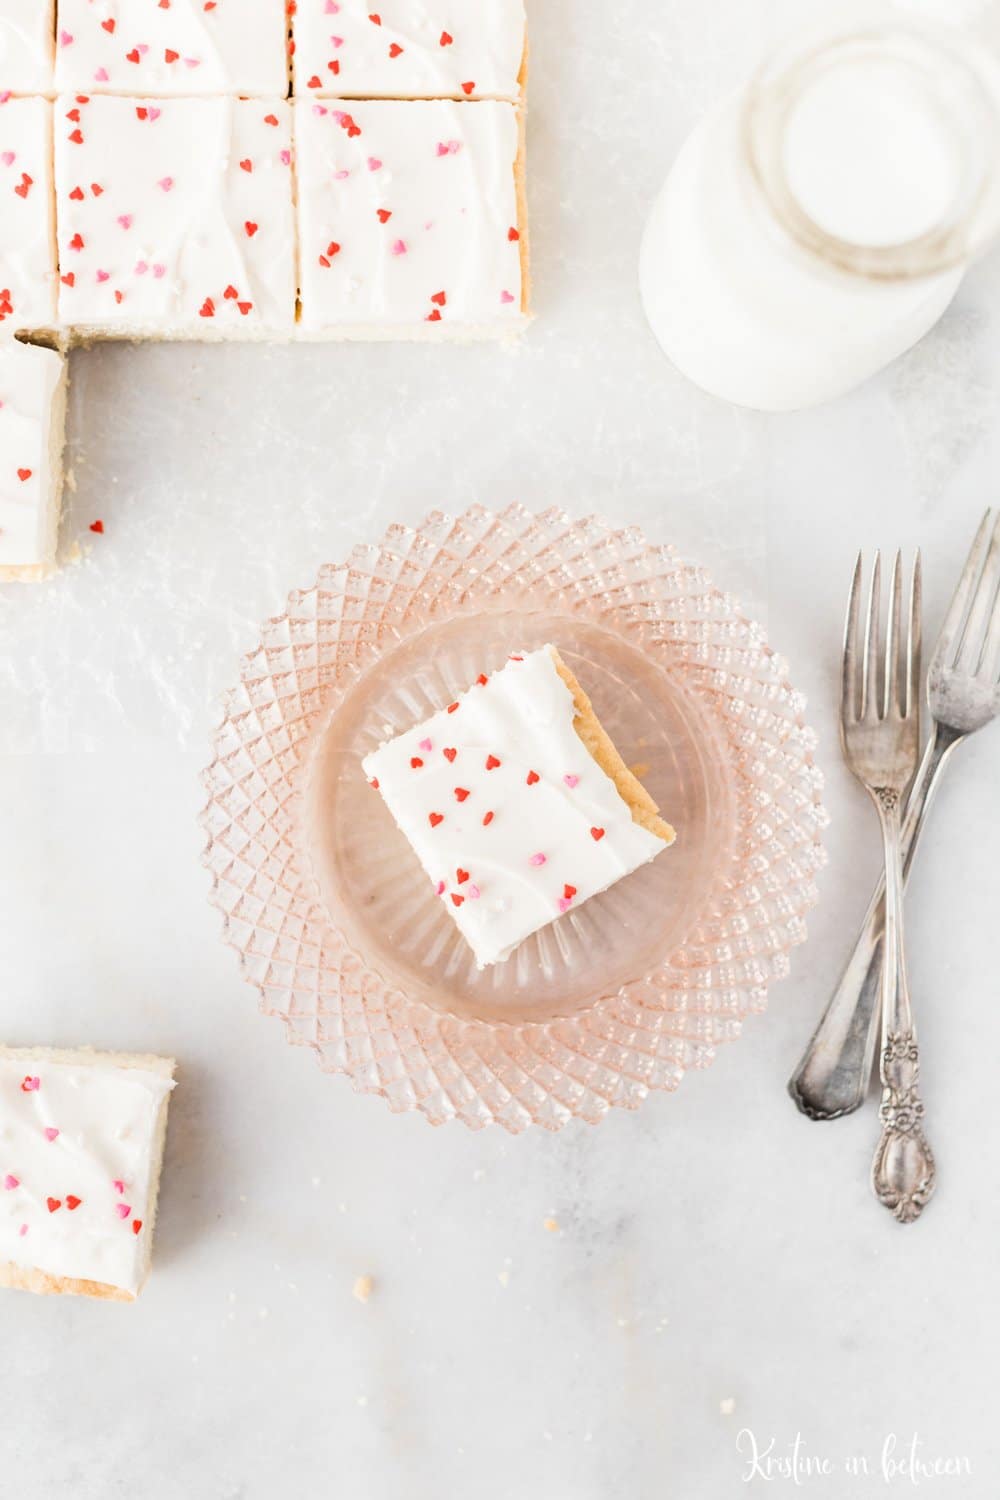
(503, 1277)
(552, 1225)
(727, 1406)
(363, 1287)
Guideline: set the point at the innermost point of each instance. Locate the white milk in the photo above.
(782, 284)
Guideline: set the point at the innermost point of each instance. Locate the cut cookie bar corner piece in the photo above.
(81, 1145)
(517, 803)
(27, 218)
(180, 47)
(26, 36)
(176, 217)
(32, 420)
(409, 49)
(411, 219)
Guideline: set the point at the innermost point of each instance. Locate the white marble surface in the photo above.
(719, 1262)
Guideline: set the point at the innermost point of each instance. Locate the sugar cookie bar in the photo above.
(81, 1144)
(516, 803)
(175, 217)
(409, 218)
(32, 420)
(172, 47)
(26, 28)
(27, 220)
(409, 49)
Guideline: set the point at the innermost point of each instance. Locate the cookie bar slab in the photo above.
(26, 33)
(27, 219)
(410, 219)
(32, 422)
(175, 217)
(180, 47)
(516, 803)
(409, 49)
(81, 1144)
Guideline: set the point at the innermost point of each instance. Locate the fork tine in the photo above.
(914, 642)
(946, 646)
(850, 704)
(891, 698)
(869, 688)
(970, 648)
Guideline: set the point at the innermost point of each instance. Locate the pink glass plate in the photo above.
(340, 931)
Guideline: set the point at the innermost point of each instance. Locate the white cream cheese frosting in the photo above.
(409, 49)
(26, 46)
(513, 820)
(173, 48)
(78, 1144)
(175, 214)
(31, 390)
(27, 225)
(407, 213)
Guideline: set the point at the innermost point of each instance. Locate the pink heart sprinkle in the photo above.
(23, 1230)
(104, 275)
(474, 893)
(336, 41)
(448, 148)
(154, 114)
(564, 904)
(118, 1185)
(286, 157)
(65, 39)
(8, 157)
(101, 76)
(332, 7)
(192, 62)
(338, 115)
(4, 96)
(123, 1210)
(538, 859)
(125, 220)
(141, 268)
(31, 1084)
(166, 183)
(51, 1133)
(373, 164)
(571, 781)
(426, 745)
(10, 1182)
(506, 297)
(142, 48)
(339, 176)
(440, 888)
(399, 247)
(159, 272)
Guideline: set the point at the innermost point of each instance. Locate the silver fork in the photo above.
(880, 733)
(963, 693)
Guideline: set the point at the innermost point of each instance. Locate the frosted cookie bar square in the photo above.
(26, 28)
(409, 49)
(27, 219)
(516, 803)
(81, 1143)
(180, 47)
(32, 419)
(175, 217)
(410, 218)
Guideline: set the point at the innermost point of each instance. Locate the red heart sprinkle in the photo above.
(446, 39)
(457, 900)
(491, 762)
(52, 1204)
(482, 679)
(72, 1202)
(314, 82)
(375, 18)
(452, 707)
(467, 88)
(596, 834)
(395, 49)
(96, 189)
(69, 278)
(533, 777)
(435, 818)
(460, 793)
(512, 234)
(207, 309)
(133, 56)
(487, 819)
(24, 474)
(231, 293)
(569, 891)
(450, 754)
(433, 317)
(439, 298)
(244, 307)
(461, 876)
(76, 137)
(169, 55)
(246, 164)
(97, 526)
(136, 1225)
(77, 195)
(416, 762)
(270, 119)
(109, 25)
(251, 228)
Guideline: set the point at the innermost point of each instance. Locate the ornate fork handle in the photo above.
(903, 1170)
(832, 1077)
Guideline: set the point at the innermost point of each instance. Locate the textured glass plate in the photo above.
(338, 927)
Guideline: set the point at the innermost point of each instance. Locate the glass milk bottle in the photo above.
(818, 223)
